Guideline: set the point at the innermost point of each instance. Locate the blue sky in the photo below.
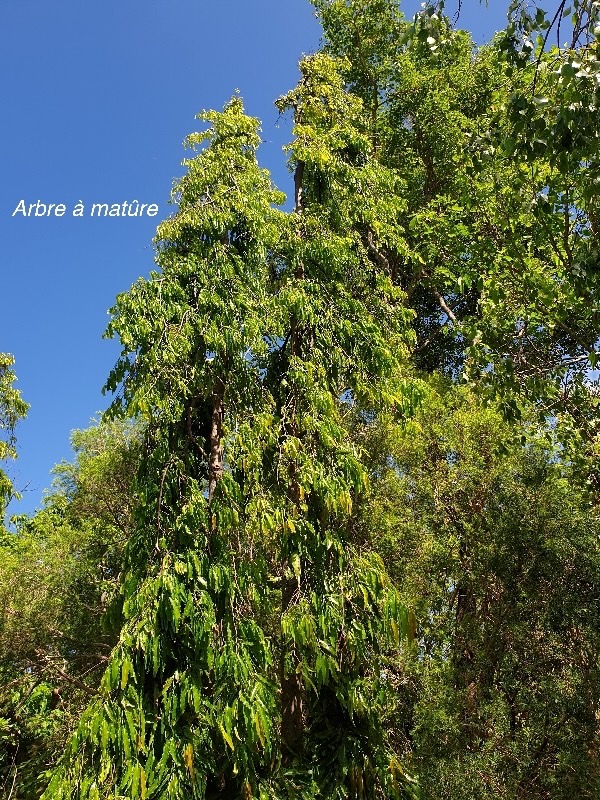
(97, 98)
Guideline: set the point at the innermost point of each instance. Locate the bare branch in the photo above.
(444, 306)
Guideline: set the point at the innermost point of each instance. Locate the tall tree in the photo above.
(494, 159)
(244, 354)
(187, 704)
(346, 335)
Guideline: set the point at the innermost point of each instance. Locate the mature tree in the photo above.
(244, 354)
(187, 706)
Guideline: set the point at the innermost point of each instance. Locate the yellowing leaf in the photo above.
(226, 737)
(188, 757)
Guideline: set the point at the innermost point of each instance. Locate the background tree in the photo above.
(59, 603)
(12, 408)
(493, 544)
(500, 267)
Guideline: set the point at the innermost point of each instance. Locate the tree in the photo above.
(59, 602)
(192, 666)
(500, 268)
(497, 160)
(495, 546)
(12, 408)
(346, 335)
(244, 354)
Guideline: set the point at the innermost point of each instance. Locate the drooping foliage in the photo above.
(192, 666)
(347, 332)
(251, 624)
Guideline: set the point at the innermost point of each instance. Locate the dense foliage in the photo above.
(498, 552)
(12, 408)
(59, 601)
(338, 534)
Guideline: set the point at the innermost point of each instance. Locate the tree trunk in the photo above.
(215, 463)
(292, 690)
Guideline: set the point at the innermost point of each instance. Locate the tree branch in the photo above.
(444, 306)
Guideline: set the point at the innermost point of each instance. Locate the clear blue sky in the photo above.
(96, 100)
